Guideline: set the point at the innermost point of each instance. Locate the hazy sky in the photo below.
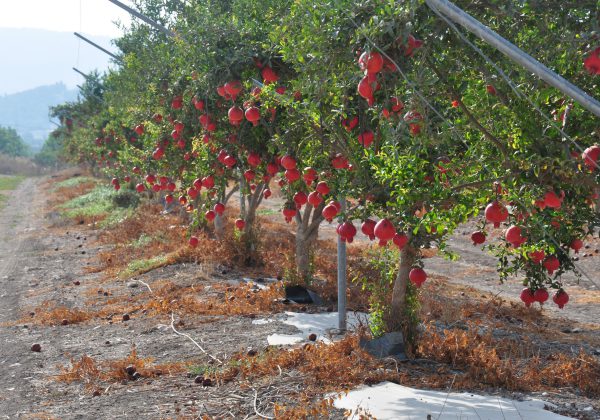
(41, 58)
(94, 17)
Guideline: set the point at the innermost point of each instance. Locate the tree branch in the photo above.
(489, 136)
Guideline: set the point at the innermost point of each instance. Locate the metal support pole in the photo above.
(98, 46)
(144, 18)
(341, 277)
(82, 73)
(515, 54)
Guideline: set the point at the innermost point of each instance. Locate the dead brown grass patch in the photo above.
(93, 373)
(508, 363)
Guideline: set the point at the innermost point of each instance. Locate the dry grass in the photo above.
(10, 165)
(93, 373)
(166, 298)
(506, 363)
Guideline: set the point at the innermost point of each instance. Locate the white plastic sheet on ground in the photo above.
(392, 401)
(319, 324)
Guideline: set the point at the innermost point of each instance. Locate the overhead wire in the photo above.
(511, 83)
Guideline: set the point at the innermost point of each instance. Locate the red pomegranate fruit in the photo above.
(384, 231)
(417, 276)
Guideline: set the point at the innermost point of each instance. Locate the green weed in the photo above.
(143, 266)
(73, 182)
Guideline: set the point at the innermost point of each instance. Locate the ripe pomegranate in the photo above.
(253, 159)
(400, 240)
(513, 236)
(269, 75)
(309, 175)
(219, 208)
(576, 245)
(590, 157)
(210, 215)
(158, 153)
(114, 181)
(541, 295)
(139, 129)
(272, 168)
(455, 104)
(150, 179)
(366, 138)
(366, 90)
(229, 161)
(527, 296)
(197, 184)
(288, 162)
(592, 62)
(240, 224)
(412, 45)
(292, 175)
(417, 276)
(350, 123)
(537, 256)
(561, 298)
(236, 115)
(552, 200)
(491, 89)
(300, 198)
(322, 188)
(478, 237)
(289, 213)
(156, 187)
(371, 62)
(198, 103)
(551, 264)
(208, 182)
(253, 115)
(347, 231)
(367, 228)
(169, 198)
(233, 88)
(329, 212)
(267, 193)
(193, 241)
(496, 213)
(177, 102)
(397, 104)
(249, 175)
(384, 231)
(315, 198)
(339, 161)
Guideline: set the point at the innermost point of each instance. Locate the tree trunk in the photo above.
(397, 317)
(219, 227)
(254, 200)
(307, 232)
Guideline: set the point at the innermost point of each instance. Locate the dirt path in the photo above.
(17, 226)
(42, 257)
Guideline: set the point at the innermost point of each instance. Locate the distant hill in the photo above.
(36, 73)
(35, 57)
(27, 112)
